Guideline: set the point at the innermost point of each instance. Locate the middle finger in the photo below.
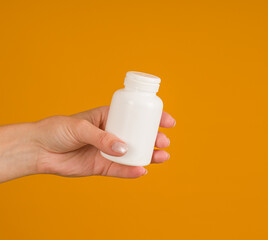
(162, 141)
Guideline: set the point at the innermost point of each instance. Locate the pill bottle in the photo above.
(134, 116)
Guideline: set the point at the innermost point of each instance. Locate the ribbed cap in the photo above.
(142, 81)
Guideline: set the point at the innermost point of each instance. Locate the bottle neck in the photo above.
(141, 85)
(138, 89)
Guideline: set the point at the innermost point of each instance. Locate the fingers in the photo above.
(108, 143)
(162, 141)
(123, 171)
(167, 121)
(160, 156)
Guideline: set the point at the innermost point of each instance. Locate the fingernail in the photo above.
(168, 156)
(174, 123)
(119, 147)
(168, 141)
(145, 172)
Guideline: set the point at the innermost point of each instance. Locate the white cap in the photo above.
(142, 81)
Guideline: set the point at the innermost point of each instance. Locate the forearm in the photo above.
(18, 153)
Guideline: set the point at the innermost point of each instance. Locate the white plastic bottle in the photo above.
(134, 117)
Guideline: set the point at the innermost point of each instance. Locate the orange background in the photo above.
(62, 57)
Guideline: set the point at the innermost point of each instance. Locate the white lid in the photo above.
(142, 81)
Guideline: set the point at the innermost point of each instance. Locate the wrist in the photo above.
(18, 151)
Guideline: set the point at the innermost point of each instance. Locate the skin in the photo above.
(69, 146)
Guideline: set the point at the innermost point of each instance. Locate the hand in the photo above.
(70, 146)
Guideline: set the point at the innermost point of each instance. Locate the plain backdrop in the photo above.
(63, 57)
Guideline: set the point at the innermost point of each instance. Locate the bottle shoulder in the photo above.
(160, 101)
(137, 98)
(135, 94)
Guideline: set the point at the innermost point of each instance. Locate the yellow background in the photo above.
(62, 57)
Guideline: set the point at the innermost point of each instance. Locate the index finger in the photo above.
(167, 121)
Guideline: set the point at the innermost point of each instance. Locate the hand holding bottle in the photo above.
(70, 146)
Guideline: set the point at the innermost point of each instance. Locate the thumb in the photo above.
(108, 143)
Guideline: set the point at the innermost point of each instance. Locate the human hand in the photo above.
(70, 146)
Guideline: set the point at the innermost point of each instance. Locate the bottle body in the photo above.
(134, 116)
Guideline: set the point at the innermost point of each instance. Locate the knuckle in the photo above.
(77, 129)
(81, 125)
